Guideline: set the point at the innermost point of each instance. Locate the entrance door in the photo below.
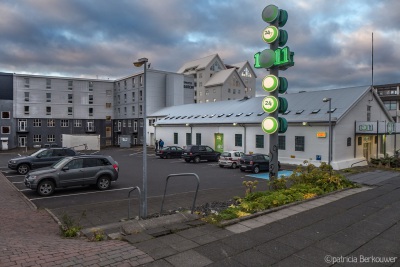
(367, 151)
(21, 141)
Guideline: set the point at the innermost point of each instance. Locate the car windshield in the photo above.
(59, 163)
(37, 152)
(226, 154)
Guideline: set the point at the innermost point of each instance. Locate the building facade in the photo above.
(359, 121)
(37, 110)
(216, 81)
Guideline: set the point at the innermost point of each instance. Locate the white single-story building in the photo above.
(356, 114)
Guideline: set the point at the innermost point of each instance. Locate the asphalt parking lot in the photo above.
(221, 183)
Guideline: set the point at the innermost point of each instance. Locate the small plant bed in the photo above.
(307, 181)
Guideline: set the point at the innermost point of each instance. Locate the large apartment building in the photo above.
(37, 110)
(216, 81)
(390, 96)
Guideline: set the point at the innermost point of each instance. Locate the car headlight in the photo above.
(13, 161)
(32, 177)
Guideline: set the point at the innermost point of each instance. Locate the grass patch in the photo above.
(307, 181)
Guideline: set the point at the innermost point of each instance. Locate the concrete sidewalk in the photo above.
(350, 227)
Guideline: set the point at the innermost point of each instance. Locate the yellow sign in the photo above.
(321, 134)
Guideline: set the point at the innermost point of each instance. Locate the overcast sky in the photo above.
(101, 38)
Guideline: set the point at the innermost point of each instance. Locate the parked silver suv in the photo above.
(80, 170)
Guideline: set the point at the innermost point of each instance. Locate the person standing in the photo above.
(156, 145)
(161, 143)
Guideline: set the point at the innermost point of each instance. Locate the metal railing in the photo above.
(129, 202)
(181, 174)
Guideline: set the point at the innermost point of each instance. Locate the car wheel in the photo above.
(217, 158)
(23, 169)
(168, 156)
(234, 165)
(196, 159)
(256, 169)
(187, 160)
(221, 166)
(103, 183)
(45, 188)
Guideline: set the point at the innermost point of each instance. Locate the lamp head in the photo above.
(140, 62)
(326, 99)
(234, 124)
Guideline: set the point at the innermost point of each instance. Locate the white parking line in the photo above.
(18, 182)
(18, 176)
(87, 193)
(23, 190)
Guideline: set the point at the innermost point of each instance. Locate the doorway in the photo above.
(367, 151)
(21, 141)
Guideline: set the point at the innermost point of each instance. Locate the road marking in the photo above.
(18, 183)
(18, 176)
(78, 194)
(23, 190)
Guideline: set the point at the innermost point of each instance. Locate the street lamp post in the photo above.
(328, 99)
(139, 63)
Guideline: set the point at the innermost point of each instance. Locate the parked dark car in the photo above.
(198, 153)
(39, 159)
(170, 152)
(80, 170)
(255, 163)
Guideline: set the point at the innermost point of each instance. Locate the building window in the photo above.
(70, 85)
(368, 113)
(140, 109)
(125, 110)
(108, 131)
(133, 96)
(140, 95)
(299, 143)
(48, 110)
(359, 140)
(5, 115)
(5, 129)
(26, 82)
(90, 99)
(91, 112)
(133, 110)
(259, 141)
(141, 80)
(37, 138)
(135, 126)
(188, 139)
(129, 123)
(90, 86)
(108, 93)
(48, 97)
(108, 105)
(26, 110)
(133, 82)
(77, 123)
(70, 98)
(51, 138)
(282, 142)
(198, 139)
(26, 94)
(175, 138)
(64, 123)
(238, 140)
(37, 123)
(124, 123)
(51, 123)
(48, 83)
(348, 141)
(108, 118)
(390, 105)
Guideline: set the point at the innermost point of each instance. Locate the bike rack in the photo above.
(181, 174)
(140, 201)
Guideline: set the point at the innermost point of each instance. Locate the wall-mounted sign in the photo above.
(321, 134)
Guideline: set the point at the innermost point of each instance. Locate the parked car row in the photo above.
(51, 168)
(232, 159)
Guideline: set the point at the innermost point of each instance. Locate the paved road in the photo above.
(351, 228)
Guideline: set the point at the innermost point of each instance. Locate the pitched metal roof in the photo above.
(219, 77)
(197, 64)
(312, 108)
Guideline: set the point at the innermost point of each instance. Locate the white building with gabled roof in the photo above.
(360, 124)
(217, 81)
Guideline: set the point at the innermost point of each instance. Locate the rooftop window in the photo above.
(239, 114)
(230, 114)
(332, 110)
(286, 112)
(300, 111)
(220, 115)
(315, 111)
(261, 113)
(248, 114)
